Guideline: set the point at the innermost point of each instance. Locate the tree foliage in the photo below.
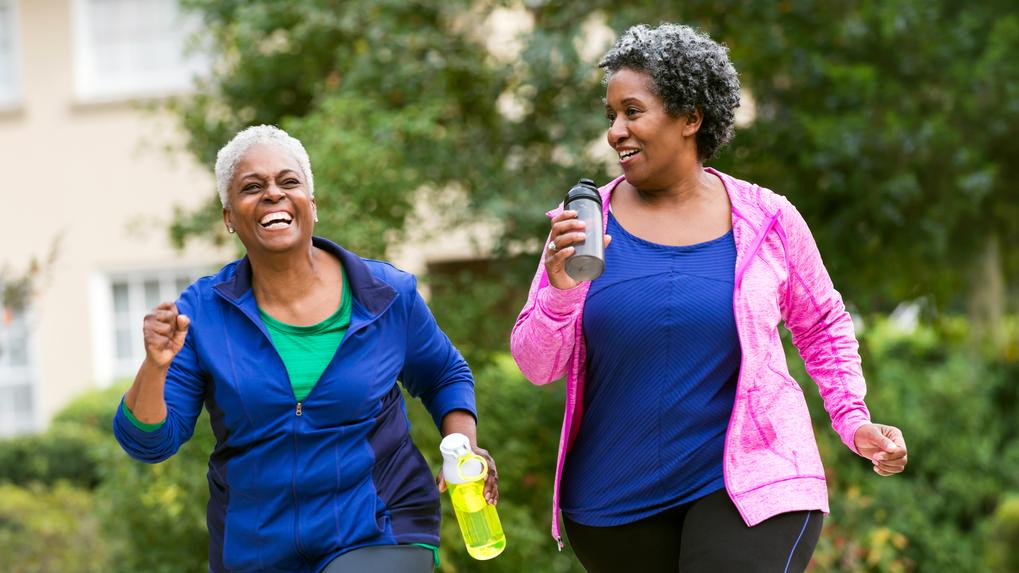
(888, 124)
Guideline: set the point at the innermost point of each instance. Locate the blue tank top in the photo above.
(662, 361)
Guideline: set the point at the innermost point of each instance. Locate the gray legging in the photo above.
(384, 559)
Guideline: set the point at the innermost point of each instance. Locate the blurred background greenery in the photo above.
(891, 125)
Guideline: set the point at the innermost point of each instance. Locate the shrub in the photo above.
(46, 529)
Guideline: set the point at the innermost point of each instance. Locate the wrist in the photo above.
(154, 366)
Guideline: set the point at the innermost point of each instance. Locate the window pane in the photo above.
(152, 297)
(123, 342)
(120, 300)
(21, 398)
(182, 283)
(138, 45)
(7, 79)
(6, 400)
(17, 348)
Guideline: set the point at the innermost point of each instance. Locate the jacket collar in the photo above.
(374, 294)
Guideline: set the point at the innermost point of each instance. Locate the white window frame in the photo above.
(89, 88)
(20, 375)
(109, 367)
(14, 98)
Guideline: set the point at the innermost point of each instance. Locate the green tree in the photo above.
(390, 98)
(887, 123)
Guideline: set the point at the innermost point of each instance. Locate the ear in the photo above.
(226, 220)
(693, 122)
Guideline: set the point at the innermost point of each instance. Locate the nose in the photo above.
(273, 192)
(617, 131)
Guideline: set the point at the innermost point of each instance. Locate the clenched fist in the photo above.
(165, 330)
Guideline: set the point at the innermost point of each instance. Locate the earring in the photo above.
(229, 229)
(316, 218)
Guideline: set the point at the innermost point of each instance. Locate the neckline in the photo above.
(689, 247)
(329, 322)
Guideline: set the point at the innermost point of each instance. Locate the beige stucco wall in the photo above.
(96, 175)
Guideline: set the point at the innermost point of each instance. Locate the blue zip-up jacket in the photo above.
(295, 484)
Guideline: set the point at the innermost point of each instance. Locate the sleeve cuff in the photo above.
(139, 424)
(849, 437)
(561, 303)
(456, 397)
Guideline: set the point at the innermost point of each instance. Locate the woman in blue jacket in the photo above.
(295, 351)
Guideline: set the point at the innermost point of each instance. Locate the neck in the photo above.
(277, 278)
(691, 184)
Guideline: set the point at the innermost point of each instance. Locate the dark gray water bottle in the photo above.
(588, 259)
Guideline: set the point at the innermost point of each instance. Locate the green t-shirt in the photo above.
(307, 350)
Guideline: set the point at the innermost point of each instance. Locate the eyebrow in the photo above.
(259, 175)
(626, 100)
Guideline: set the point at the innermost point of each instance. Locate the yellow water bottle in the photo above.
(465, 472)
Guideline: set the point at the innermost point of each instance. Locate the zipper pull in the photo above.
(298, 408)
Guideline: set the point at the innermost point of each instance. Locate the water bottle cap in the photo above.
(584, 189)
(455, 446)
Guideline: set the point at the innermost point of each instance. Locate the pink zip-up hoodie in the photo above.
(771, 463)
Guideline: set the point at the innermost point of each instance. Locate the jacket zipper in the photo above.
(297, 503)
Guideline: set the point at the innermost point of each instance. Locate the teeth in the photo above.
(275, 217)
(630, 153)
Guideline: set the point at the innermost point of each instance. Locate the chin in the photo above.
(634, 178)
(282, 242)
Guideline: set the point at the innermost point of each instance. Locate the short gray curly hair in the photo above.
(230, 154)
(688, 70)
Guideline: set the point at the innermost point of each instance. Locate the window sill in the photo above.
(125, 100)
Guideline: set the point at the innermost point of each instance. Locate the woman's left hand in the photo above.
(884, 446)
(491, 481)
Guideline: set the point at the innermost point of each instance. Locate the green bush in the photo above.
(151, 517)
(50, 529)
(63, 453)
(958, 415)
(1002, 538)
(154, 514)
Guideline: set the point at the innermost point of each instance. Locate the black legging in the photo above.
(704, 536)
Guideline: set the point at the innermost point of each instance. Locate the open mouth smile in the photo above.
(276, 220)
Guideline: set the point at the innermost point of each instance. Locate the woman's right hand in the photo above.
(164, 330)
(566, 230)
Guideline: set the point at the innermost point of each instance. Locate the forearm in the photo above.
(460, 422)
(542, 338)
(145, 398)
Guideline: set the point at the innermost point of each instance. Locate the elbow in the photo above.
(534, 370)
(149, 449)
(144, 454)
(539, 351)
(520, 354)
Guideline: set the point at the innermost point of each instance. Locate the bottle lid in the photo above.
(455, 446)
(584, 189)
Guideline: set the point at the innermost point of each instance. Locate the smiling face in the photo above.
(268, 203)
(654, 148)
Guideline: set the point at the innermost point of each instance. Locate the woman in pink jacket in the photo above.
(685, 443)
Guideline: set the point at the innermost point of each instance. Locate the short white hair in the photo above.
(231, 153)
